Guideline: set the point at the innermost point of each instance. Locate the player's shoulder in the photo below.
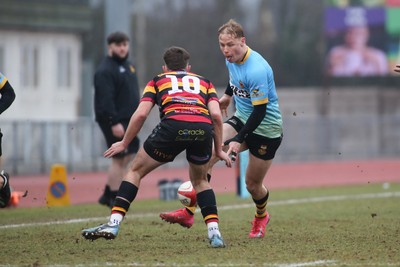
(161, 75)
(201, 77)
(3, 80)
(255, 56)
(258, 63)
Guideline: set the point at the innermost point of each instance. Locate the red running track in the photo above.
(87, 187)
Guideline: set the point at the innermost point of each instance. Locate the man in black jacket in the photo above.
(7, 96)
(115, 100)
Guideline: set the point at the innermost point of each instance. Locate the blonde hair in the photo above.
(232, 27)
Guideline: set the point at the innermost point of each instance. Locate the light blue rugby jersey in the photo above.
(253, 83)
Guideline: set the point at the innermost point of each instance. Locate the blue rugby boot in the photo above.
(106, 231)
(216, 241)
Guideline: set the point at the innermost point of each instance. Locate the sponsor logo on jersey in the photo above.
(162, 155)
(256, 93)
(241, 93)
(191, 132)
(262, 150)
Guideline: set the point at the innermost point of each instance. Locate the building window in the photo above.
(64, 67)
(30, 67)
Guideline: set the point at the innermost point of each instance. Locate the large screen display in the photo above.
(362, 37)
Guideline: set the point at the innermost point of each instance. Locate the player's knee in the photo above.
(252, 186)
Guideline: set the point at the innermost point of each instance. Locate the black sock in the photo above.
(126, 194)
(208, 205)
(261, 206)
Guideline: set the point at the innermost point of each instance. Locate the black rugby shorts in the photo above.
(170, 137)
(259, 146)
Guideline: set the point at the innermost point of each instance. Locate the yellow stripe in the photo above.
(204, 89)
(212, 90)
(192, 209)
(261, 215)
(246, 55)
(211, 216)
(149, 89)
(262, 206)
(118, 209)
(260, 102)
(3, 81)
(164, 86)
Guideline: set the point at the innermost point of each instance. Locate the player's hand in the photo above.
(397, 69)
(116, 148)
(233, 148)
(224, 102)
(225, 157)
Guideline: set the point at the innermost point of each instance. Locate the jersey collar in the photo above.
(246, 56)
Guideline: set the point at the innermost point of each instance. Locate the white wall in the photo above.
(48, 100)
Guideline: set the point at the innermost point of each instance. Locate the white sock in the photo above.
(115, 219)
(213, 229)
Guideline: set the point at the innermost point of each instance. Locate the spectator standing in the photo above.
(115, 100)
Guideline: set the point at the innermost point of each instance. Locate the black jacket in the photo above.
(7, 97)
(116, 94)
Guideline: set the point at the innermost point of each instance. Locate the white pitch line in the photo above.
(302, 264)
(316, 199)
(227, 207)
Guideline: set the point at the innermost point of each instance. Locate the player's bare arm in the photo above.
(213, 107)
(224, 102)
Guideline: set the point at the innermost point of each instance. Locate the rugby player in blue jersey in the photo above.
(256, 124)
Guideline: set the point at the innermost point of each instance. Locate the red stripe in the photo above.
(146, 99)
(190, 118)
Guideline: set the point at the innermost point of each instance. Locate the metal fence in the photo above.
(340, 138)
(31, 147)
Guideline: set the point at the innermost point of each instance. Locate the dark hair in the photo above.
(176, 58)
(117, 37)
(233, 28)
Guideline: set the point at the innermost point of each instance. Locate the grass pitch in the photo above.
(340, 226)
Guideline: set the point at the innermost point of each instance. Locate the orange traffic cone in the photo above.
(15, 197)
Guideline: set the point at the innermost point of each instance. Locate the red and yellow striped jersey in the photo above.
(181, 96)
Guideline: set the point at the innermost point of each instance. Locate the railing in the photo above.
(31, 147)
